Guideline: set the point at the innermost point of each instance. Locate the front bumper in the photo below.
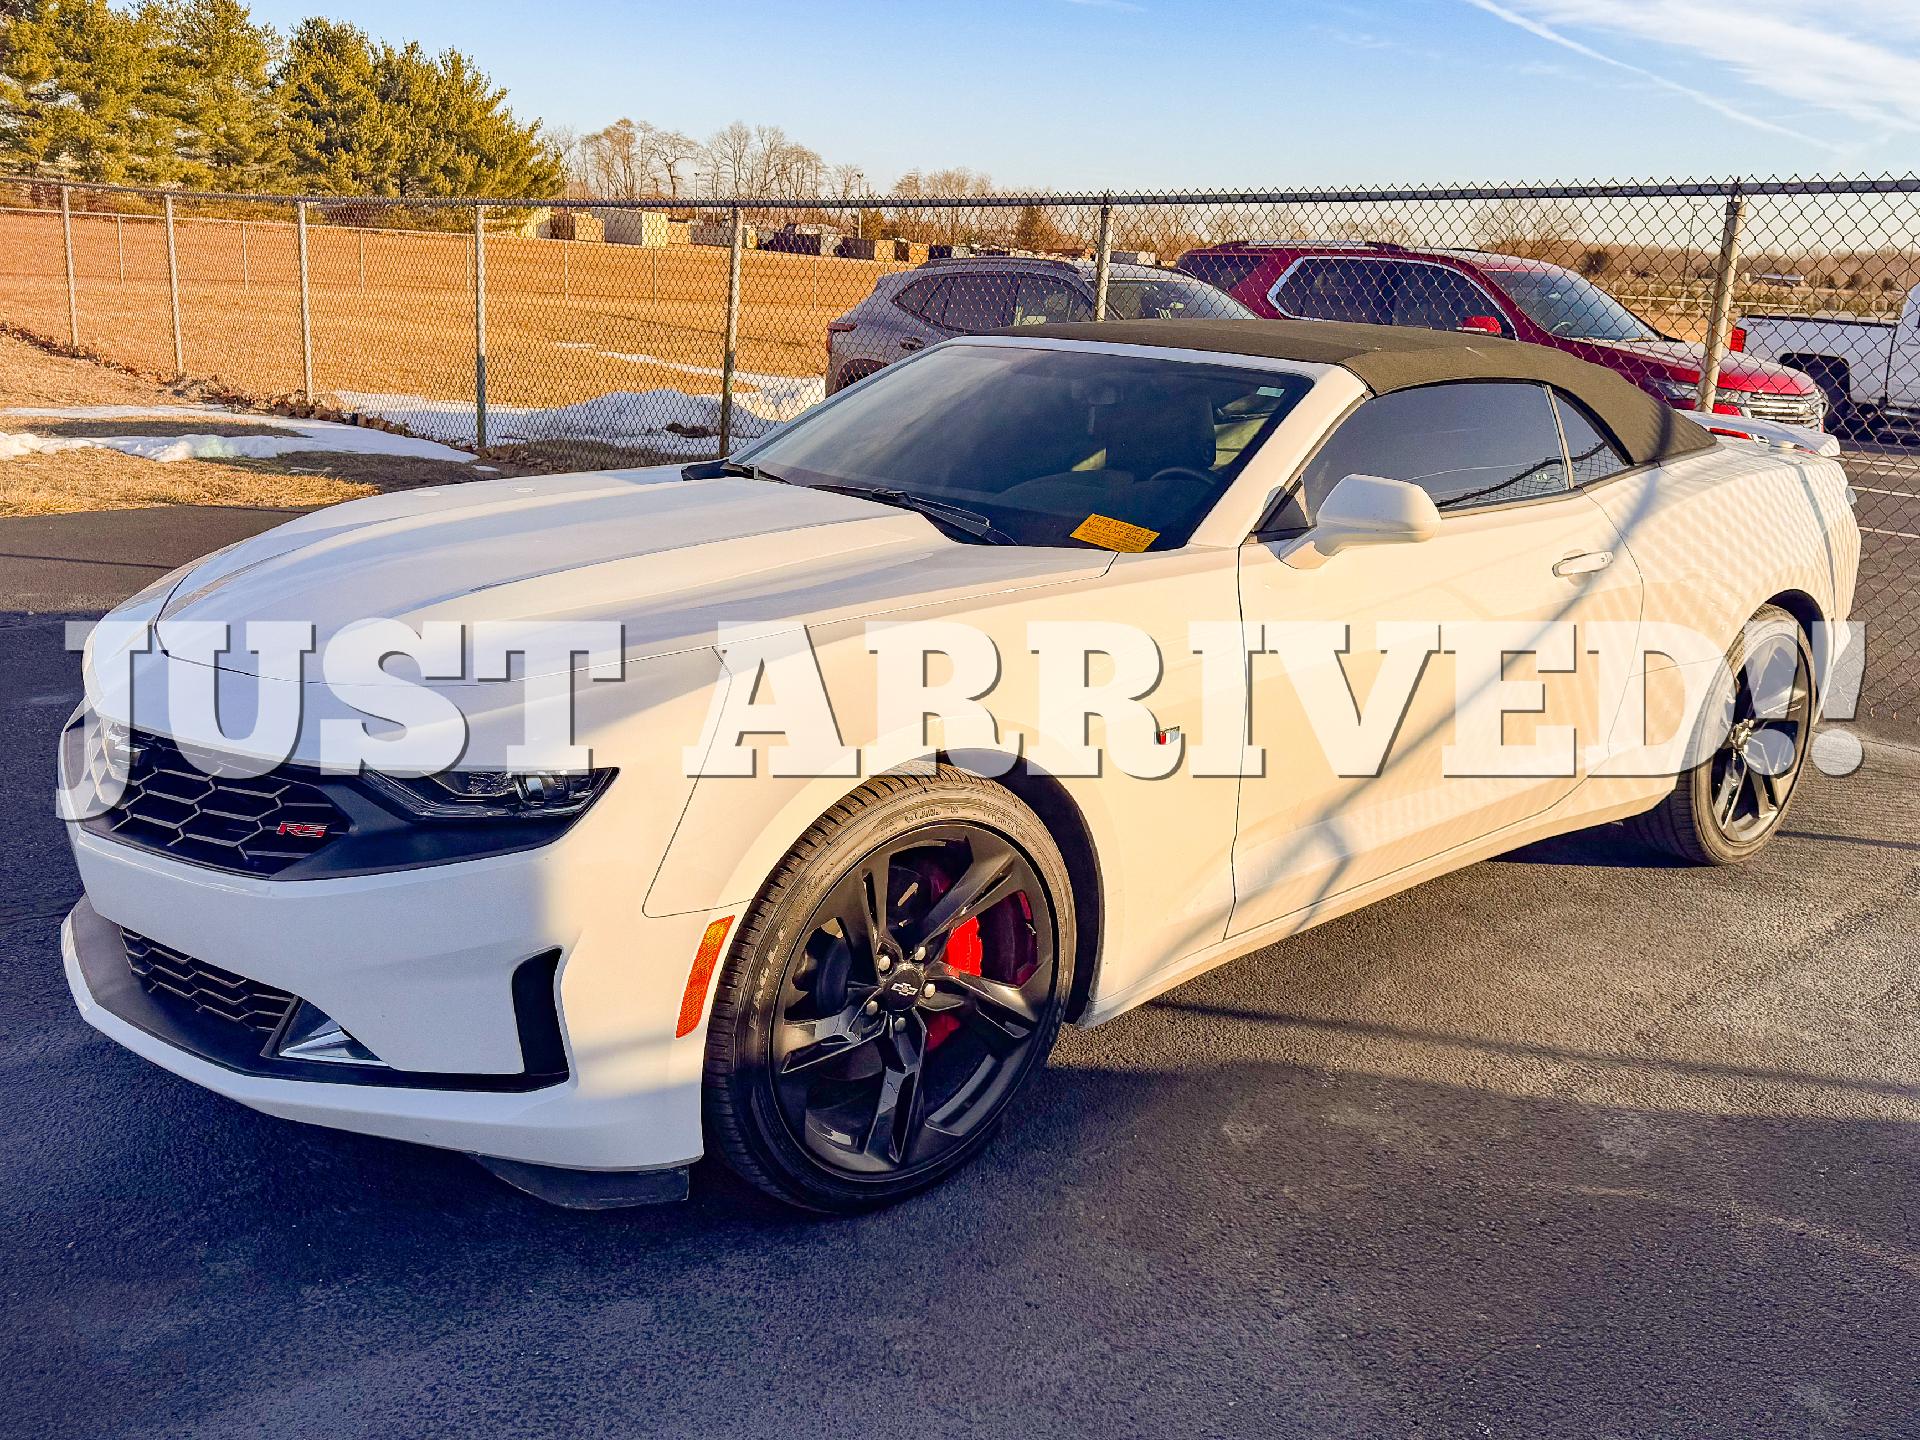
(419, 966)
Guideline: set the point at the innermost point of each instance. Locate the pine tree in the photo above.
(194, 93)
(214, 87)
(74, 79)
(340, 132)
(458, 137)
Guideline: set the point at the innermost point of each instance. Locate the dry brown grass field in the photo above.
(60, 482)
(392, 311)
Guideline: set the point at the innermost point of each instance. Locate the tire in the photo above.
(843, 1074)
(1694, 823)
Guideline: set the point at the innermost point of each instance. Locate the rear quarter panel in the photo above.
(1718, 534)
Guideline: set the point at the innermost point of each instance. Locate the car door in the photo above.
(925, 300)
(1334, 287)
(1518, 546)
(1433, 297)
(1048, 300)
(1902, 387)
(977, 301)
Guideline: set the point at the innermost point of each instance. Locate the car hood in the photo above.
(1682, 360)
(669, 559)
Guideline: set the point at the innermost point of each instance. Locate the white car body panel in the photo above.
(1880, 358)
(416, 963)
(1307, 834)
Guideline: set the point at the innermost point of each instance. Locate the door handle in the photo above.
(1584, 564)
(911, 344)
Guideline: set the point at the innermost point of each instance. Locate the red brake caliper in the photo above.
(963, 953)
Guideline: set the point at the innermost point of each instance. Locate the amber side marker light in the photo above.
(705, 958)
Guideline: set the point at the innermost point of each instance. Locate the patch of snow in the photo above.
(635, 418)
(284, 437)
(772, 397)
(15, 443)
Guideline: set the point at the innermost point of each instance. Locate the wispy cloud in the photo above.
(1699, 97)
(1371, 40)
(1849, 60)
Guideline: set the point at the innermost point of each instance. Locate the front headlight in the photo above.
(96, 758)
(495, 794)
(1676, 391)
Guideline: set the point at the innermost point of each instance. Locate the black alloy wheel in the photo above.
(901, 977)
(1757, 736)
(1769, 723)
(913, 999)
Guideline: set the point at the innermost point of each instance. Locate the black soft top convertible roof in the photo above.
(1399, 357)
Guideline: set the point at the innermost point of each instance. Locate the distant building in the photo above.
(637, 227)
(576, 225)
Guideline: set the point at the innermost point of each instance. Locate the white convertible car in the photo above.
(842, 975)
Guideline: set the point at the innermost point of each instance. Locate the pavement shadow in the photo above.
(1237, 1249)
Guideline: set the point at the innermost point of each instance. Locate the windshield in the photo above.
(1563, 304)
(1171, 300)
(1053, 446)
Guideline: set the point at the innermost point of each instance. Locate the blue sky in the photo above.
(1092, 94)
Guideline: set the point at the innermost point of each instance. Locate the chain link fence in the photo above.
(586, 334)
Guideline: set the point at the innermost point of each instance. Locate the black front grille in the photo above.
(259, 824)
(170, 976)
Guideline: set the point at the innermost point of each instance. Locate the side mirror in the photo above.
(1370, 510)
(1482, 325)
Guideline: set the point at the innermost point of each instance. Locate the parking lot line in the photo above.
(1897, 534)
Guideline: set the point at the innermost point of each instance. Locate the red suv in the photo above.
(1381, 284)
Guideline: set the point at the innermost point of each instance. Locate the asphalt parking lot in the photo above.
(1571, 1143)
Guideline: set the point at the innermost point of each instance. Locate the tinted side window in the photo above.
(1590, 450)
(1048, 299)
(1334, 288)
(1434, 298)
(922, 297)
(978, 302)
(1466, 445)
(1223, 272)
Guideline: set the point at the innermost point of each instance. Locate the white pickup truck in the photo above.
(1870, 369)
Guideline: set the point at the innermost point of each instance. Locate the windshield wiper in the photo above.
(958, 516)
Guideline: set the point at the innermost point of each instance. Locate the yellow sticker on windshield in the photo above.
(1111, 534)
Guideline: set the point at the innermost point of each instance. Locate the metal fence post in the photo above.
(363, 258)
(120, 244)
(173, 293)
(73, 298)
(246, 261)
(566, 272)
(1103, 258)
(1717, 323)
(479, 327)
(735, 245)
(306, 311)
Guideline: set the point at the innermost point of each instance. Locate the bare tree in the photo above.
(673, 149)
(849, 181)
(728, 156)
(956, 181)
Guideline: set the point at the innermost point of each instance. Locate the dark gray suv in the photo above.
(925, 305)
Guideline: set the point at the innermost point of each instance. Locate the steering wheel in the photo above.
(1183, 472)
